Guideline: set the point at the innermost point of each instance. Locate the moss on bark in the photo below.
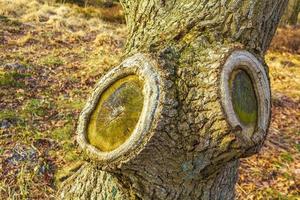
(116, 114)
(244, 98)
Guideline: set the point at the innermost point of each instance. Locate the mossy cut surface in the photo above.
(244, 98)
(116, 114)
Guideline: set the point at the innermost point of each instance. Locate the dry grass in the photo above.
(50, 57)
(275, 172)
(67, 16)
(285, 73)
(287, 39)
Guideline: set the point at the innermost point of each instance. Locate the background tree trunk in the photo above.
(193, 152)
(291, 13)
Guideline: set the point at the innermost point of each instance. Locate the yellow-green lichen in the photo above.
(244, 98)
(116, 114)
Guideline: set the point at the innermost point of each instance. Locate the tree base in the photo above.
(91, 183)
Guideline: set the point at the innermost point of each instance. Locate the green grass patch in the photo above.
(274, 194)
(298, 147)
(72, 154)
(12, 79)
(288, 176)
(287, 157)
(63, 133)
(67, 103)
(8, 114)
(52, 61)
(75, 104)
(35, 107)
(14, 117)
(23, 179)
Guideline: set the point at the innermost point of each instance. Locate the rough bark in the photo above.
(158, 24)
(191, 150)
(91, 183)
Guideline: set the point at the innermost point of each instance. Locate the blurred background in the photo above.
(51, 55)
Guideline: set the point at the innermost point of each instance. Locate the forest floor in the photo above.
(51, 55)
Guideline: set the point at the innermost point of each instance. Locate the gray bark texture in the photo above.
(191, 151)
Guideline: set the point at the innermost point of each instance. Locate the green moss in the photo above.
(116, 114)
(244, 98)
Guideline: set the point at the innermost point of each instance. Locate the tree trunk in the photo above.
(295, 14)
(290, 16)
(189, 100)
